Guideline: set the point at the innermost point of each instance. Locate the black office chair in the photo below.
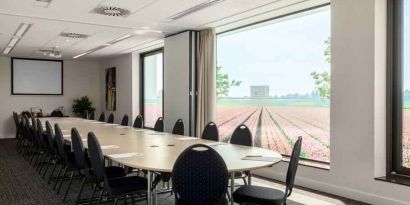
(110, 118)
(84, 164)
(200, 177)
(67, 159)
(270, 196)
(56, 113)
(178, 127)
(102, 117)
(139, 122)
(118, 187)
(159, 125)
(242, 136)
(210, 132)
(124, 121)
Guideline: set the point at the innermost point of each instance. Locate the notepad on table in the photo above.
(122, 127)
(126, 155)
(260, 158)
(67, 136)
(109, 147)
(216, 143)
(187, 138)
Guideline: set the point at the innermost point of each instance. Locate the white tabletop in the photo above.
(156, 151)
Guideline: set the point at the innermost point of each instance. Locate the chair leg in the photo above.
(62, 180)
(115, 201)
(81, 190)
(58, 175)
(92, 195)
(47, 165)
(100, 197)
(52, 172)
(69, 185)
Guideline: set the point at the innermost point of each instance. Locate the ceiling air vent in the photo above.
(73, 35)
(111, 11)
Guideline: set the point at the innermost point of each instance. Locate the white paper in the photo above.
(67, 136)
(109, 147)
(122, 127)
(126, 155)
(109, 124)
(187, 138)
(216, 143)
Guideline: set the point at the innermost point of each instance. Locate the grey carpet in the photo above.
(20, 184)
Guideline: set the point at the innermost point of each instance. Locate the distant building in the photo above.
(259, 91)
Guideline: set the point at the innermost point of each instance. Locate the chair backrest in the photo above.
(59, 139)
(178, 127)
(26, 113)
(50, 137)
(79, 150)
(102, 117)
(242, 136)
(39, 133)
(199, 176)
(124, 121)
(210, 132)
(293, 166)
(110, 118)
(139, 122)
(97, 159)
(56, 113)
(159, 125)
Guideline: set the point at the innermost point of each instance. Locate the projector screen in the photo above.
(37, 77)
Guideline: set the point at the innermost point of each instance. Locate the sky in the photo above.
(281, 54)
(406, 48)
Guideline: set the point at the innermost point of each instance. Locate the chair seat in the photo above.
(258, 195)
(222, 201)
(114, 172)
(124, 185)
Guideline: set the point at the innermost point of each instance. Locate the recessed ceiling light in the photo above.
(21, 30)
(104, 45)
(195, 8)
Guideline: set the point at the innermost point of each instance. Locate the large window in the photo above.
(274, 77)
(152, 88)
(399, 87)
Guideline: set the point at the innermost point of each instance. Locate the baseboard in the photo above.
(335, 190)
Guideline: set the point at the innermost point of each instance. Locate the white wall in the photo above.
(80, 78)
(357, 145)
(125, 71)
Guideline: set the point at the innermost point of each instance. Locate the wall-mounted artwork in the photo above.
(110, 89)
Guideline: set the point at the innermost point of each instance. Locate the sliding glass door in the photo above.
(152, 87)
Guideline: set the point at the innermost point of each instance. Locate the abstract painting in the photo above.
(110, 89)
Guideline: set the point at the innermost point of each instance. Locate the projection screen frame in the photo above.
(34, 59)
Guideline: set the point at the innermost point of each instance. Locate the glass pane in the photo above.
(275, 78)
(406, 84)
(152, 89)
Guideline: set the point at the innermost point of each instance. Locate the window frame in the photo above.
(261, 22)
(394, 89)
(142, 81)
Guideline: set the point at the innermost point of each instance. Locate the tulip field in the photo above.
(276, 124)
(406, 138)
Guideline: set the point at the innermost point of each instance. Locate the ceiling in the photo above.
(145, 22)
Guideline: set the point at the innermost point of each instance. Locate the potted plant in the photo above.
(82, 107)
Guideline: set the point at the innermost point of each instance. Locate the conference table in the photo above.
(157, 151)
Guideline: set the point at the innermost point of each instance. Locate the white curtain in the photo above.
(206, 64)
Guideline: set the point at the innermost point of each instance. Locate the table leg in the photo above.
(232, 186)
(149, 196)
(155, 195)
(249, 177)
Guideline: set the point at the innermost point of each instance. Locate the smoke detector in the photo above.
(111, 11)
(73, 35)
